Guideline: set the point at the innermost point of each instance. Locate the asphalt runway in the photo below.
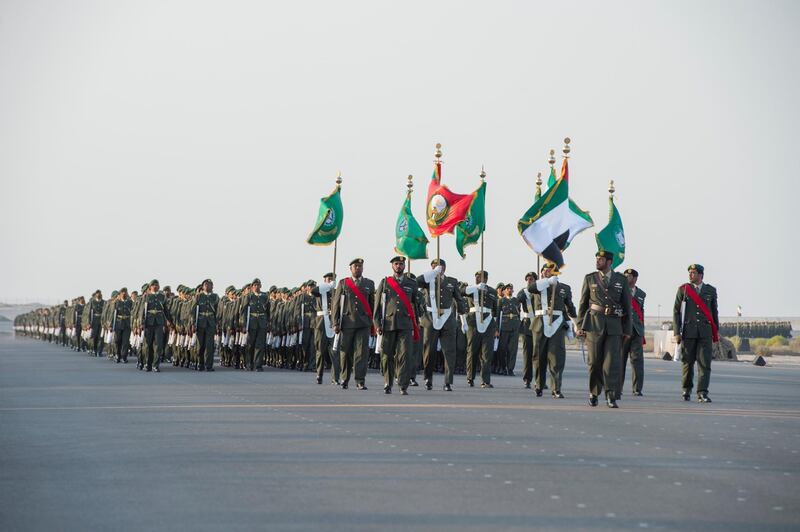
(86, 444)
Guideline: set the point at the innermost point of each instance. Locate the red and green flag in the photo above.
(470, 230)
(445, 209)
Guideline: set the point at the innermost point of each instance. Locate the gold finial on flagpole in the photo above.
(339, 178)
(410, 184)
(611, 188)
(538, 183)
(438, 153)
(552, 159)
(483, 174)
(565, 150)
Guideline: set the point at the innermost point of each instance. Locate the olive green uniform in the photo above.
(391, 315)
(633, 347)
(481, 345)
(355, 323)
(696, 336)
(449, 297)
(604, 314)
(204, 309)
(551, 351)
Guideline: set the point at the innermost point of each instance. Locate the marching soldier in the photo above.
(154, 317)
(604, 317)
(308, 314)
(123, 308)
(352, 318)
(323, 327)
(481, 328)
(695, 320)
(633, 347)
(396, 323)
(94, 323)
(443, 302)
(509, 330)
(205, 326)
(224, 311)
(552, 302)
(254, 318)
(526, 304)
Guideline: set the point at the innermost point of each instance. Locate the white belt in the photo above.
(484, 309)
(320, 313)
(543, 312)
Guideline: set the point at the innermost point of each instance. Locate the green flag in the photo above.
(470, 230)
(329, 219)
(612, 236)
(410, 239)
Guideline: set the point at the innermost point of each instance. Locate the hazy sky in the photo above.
(185, 139)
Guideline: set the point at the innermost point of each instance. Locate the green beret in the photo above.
(123, 289)
(256, 281)
(500, 286)
(697, 267)
(154, 281)
(231, 288)
(114, 293)
(167, 288)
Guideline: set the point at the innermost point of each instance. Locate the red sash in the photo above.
(360, 296)
(406, 303)
(689, 290)
(638, 310)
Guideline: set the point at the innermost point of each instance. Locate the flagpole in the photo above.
(410, 187)
(565, 150)
(611, 191)
(438, 155)
(336, 241)
(538, 195)
(483, 178)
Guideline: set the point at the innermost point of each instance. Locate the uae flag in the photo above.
(445, 208)
(329, 219)
(553, 221)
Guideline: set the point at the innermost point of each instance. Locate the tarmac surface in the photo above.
(86, 444)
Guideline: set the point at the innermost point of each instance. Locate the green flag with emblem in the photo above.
(470, 230)
(612, 236)
(410, 239)
(329, 219)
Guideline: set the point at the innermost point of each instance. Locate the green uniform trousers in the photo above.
(480, 345)
(632, 348)
(396, 353)
(696, 350)
(431, 339)
(603, 360)
(324, 350)
(354, 353)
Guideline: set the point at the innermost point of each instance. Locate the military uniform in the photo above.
(255, 317)
(447, 295)
(509, 322)
(354, 322)
(205, 310)
(123, 309)
(480, 345)
(697, 334)
(550, 350)
(398, 325)
(633, 347)
(526, 312)
(154, 318)
(604, 314)
(323, 334)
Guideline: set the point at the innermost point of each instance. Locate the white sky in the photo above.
(185, 139)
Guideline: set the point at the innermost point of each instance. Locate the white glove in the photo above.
(430, 275)
(438, 269)
(553, 280)
(541, 284)
(482, 286)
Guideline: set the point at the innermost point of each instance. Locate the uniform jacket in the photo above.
(204, 310)
(618, 298)
(154, 311)
(259, 310)
(563, 303)
(638, 326)
(489, 303)
(395, 317)
(124, 309)
(449, 297)
(508, 308)
(353, 315)
(695, 323)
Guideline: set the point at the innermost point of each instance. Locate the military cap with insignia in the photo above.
(529, 275)
(123, 289)
(256, 281)
(230, 288)
(329, 274)
(397, 258)
(697, 267)
(484, 272)
(631, 271)
(436, 262)
(604, 254)
(272, 289)
(500, 286)
(356, 261)
(114, 293)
